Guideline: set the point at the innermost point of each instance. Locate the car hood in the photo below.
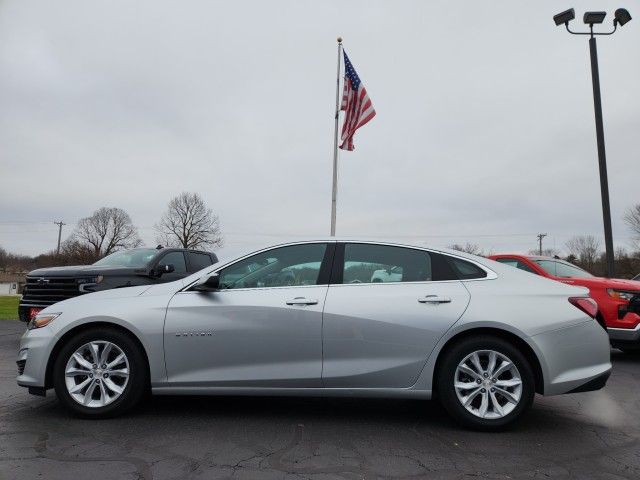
(84, 270)
(89, 298)
(602, 282)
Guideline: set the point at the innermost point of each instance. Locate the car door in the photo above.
(198, 261)
(175, 259)
(262, 328)
(378, 334)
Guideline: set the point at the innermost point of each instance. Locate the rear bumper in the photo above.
(596, 384)
(573, 358)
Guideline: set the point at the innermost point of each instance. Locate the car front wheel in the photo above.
(485, 383)
(100, 373)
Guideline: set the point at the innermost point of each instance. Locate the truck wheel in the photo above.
(100, 373)
(485, 383)
(631, 350)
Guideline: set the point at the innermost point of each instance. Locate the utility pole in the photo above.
(540, 237)
(60, 224)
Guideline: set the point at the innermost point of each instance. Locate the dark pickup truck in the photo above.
(127, 268)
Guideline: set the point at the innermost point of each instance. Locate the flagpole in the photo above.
(334, 191)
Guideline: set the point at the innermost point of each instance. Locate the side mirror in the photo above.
(162, 269)
(210, 283)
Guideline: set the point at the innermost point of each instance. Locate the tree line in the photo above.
(187, 223)
(586, 251)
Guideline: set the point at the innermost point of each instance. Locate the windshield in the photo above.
(136, 258)
(559, 268)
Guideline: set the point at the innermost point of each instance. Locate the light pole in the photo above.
(621, 17)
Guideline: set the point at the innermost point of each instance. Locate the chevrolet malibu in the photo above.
(305, 318)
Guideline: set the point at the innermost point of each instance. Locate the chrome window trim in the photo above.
(491, 275)
(218, 268)
(223, 290)
(426, 282)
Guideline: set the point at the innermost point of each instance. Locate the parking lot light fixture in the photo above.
(564, 17)
(593, 18)
(621, 17)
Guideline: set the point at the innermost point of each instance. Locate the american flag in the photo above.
(355, 103)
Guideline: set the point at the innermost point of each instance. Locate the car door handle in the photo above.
(434, 299)
(302, 301)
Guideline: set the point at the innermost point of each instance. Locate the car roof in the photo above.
(522, 255)
(381, 241)
(177, 249)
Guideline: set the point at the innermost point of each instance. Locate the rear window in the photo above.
(466, 270)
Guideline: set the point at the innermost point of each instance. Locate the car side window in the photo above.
(517, 264)
(198, 261)
(294, 265)
(526, 268)
(466, 270)
(548, 266)
(369, 263)
(177, 260)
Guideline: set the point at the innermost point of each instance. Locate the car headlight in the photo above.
(621, 294)
(42, 320)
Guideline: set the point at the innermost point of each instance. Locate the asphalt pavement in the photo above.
(584, 436)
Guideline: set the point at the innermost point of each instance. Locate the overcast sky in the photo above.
(484, 129)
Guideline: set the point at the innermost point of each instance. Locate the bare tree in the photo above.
(188, 223)
(632, 219)
(586, 248)
(107, 230)
(468, 247)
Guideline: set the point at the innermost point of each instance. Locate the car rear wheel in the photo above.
(485, 383)
(100, 373)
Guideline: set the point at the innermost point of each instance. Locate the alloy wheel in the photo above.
(488, 384)
(97, 373)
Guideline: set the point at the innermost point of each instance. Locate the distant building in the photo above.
(12, 283)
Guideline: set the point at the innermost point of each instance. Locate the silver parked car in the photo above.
(305, 318)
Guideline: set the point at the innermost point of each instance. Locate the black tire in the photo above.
(445, 377)
(135, 388)
(629, 350)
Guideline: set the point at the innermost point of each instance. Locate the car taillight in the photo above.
(586, 304)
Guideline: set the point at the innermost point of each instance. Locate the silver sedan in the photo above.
(326, 317)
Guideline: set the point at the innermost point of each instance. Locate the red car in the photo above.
(618, 300)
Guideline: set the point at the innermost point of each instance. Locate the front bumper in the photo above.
(33, 355)
(574, 357)
(624, 334)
